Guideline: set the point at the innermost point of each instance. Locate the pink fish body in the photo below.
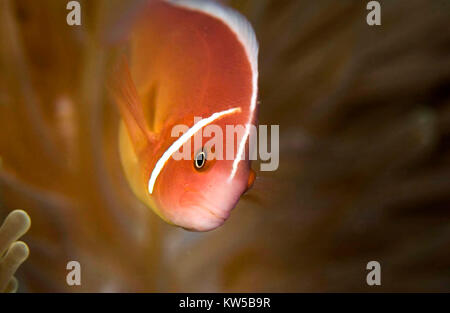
(187, 59)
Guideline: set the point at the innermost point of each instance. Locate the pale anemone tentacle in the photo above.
(12, 252)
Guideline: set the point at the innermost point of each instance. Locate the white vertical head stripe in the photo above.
(241, 151)
(177, 144)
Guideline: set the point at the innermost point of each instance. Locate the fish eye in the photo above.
(200, 159)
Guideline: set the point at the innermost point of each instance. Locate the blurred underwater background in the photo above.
(364, 115)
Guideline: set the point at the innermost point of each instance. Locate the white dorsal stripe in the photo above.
(244, 31)
(233, 19)
(177, 144)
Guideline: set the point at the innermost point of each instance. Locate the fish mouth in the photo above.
(201, 215)
(205, 218)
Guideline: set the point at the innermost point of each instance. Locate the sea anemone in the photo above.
(13, 253)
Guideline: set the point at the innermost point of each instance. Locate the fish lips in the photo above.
(196, 213)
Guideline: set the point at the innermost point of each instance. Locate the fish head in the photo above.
(200, 192)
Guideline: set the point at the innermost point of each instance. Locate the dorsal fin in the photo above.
(125, 94)
(233, 19)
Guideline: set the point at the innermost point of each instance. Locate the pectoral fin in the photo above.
(131, 110)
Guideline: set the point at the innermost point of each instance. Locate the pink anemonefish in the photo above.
(190, 58)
